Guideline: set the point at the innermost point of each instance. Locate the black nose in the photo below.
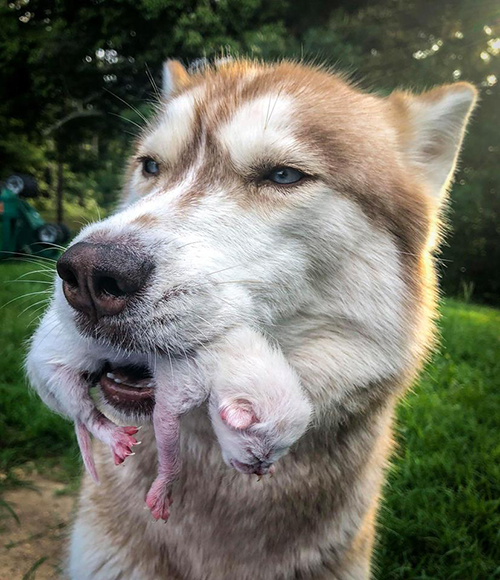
(100, 279)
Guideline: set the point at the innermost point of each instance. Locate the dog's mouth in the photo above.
(128, 388)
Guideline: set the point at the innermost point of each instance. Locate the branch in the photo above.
(70, 117)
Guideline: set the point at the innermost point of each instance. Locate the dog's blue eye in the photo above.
(285, 175)
(150, 166)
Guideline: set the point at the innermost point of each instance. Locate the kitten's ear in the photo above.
(175, 76)
(238, 414)
(432, 127)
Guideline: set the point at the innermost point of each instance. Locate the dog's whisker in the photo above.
(48, 292)
(136, 111)
(44, 271)
(45, 267)
(30, 281)
(127, 120)
(44, 301)
(224, 269)
(188, 244)
(53, 245)
(18, 256)
(36, 311)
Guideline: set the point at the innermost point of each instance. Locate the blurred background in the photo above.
(78, 80)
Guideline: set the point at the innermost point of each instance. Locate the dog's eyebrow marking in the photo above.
(175, 128)
(146, 220)
(261, 127)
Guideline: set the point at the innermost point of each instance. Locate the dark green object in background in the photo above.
(22, 229)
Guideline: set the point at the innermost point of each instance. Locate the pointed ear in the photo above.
(432, 127)
(175, 76)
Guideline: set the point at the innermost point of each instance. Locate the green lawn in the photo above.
(30, 432)
(441, 515)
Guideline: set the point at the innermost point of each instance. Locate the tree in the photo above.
(70, 70)
(77, 77)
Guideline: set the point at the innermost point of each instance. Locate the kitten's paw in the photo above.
(159, 500)
(121, 444)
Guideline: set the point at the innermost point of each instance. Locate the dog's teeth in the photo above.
(111, 376)
(150, 384)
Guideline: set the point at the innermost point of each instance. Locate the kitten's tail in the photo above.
(83, 437)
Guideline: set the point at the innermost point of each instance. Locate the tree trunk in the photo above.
(59, 189)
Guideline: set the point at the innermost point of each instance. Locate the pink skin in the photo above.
(119, 439)
(166, 426)
(74, 395)
(237, 415)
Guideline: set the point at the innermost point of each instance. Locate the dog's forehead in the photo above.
(262, 126)
(242, 112)
(174, 127)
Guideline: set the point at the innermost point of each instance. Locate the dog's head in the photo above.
(260, 192)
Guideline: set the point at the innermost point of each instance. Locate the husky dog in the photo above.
(276, 197)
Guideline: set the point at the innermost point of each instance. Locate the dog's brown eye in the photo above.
(149, 166)
(285, 175)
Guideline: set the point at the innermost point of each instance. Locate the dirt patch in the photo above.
(33, 548)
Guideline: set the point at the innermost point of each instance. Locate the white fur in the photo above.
(83, 541)
(249, 368)
(261, 127)
(439, 121)
(177, 123)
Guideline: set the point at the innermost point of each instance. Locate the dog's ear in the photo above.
(175, 76)
(432, 127)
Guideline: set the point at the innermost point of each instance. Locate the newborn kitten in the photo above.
(59, 366)
(256, 405)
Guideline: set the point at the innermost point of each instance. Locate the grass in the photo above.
(440, 518)
(30, 432)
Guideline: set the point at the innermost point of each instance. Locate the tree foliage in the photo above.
(77, 77)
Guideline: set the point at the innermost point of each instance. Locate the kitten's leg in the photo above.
(257, 406)
(166, 426)
(71, 391)
(55, 366)
(181, 385)
(85, 445)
